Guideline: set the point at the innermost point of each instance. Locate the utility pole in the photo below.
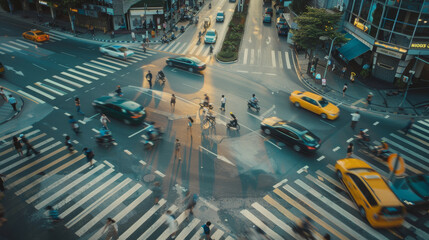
(409, 81)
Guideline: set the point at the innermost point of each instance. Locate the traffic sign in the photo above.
(400, 165)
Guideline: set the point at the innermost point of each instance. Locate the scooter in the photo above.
(233, 124)
(182, 29)
(151, 134)
(384, 154)
(104, 137)
(253, 105)
(160, 77)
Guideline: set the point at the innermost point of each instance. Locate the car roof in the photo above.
(312, 95)
(124, 103)
(379, 188)
(211, 30)
(220, 12)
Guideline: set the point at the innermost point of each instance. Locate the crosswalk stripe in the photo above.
(157, 46)
(69, 210)
(57, 35)
(9, 143)
(59, 85)
(20, 45)
(15, 133)
(123, 64)
(175, 47)
(410, 143)
(167, 48)
(415, 126)
(411, 160)
(245, 56)
(330, 191)
(142, 220)
(141, 52)
(424, 123)
(260, 224)
(197, 235)
(168, 232)
(339, 209)
(320, 210)
(91, 71)
(9, 46)
(106, 65)
(273, 218)
(308, 213)
(206, 52)
(404, 149)
(68, 81)
(46, 176)
(51, 37)
(273, 58)
(252, 56)
(99, 68)
(85, 187)
(193, 50)
(131, 60)
(287, 60)
(229, 238)
(95, 219)
(83, 74)
(179, 50)
(63, 188)
(280, 208)
(124, 212)
(418, 231)
(419, 134)
(5, 49)
(157, 224)
(280, 59)
(2, 53)
(218, 234)
(200, 49)
(40, 92)
(185, 232)
(27, 43)
(138, 58)
(13, 148)
(76, 77)
(49, 88)
(31, 97)
(96, 203)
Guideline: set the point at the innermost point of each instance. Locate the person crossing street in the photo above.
(28, 145)
(149, 78)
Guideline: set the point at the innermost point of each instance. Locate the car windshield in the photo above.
(280, 123)
(132, 106)
(309, 137)
(123, 49)
(420, 184)
(220, 14)
(323, 102)
(211, 33)
(40, 33)
(196, 60)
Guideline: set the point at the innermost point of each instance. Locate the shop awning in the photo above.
(353, 48)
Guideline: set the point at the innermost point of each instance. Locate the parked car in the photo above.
(413, 191)
(280, 21)
(126, 110)
(36, 35)
(267, 18)
(371, 194)
(211, 36)
(282, 30)
(314, 103)
(269, 11)
(291, 133)
(220, 16)
(116, 51)
(192, 64)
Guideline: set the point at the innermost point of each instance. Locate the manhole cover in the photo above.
(149, 178)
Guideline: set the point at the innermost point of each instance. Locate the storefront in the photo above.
(151, 18)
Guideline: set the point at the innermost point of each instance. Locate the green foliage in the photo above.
(299, 6)
(314, 24)
(365, 73)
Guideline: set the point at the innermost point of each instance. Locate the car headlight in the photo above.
(333, 114)
(408, 203)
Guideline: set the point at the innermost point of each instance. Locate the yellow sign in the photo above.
(420, 45)
(360, 25)
(390, 47)
(400, 166)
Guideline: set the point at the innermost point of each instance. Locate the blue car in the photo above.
(267, 18)
(412, 191)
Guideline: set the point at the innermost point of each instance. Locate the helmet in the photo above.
(253, 95)
(230, 113)
(383, 141)
(21, 135)
(119, 86)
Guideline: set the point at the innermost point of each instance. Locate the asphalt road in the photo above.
(243, 178)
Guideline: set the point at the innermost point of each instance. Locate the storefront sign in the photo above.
(360, 25)
(109, 11)
(389, 52)
(420, 45)
(394, 48)
(142, 12)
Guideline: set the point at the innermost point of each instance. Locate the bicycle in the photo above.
(209, 121)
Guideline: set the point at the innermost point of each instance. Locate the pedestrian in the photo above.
(2, 180)
(149, 78)
(77, 103)
(222, 103)
(17, 145)
(133, 36)
(333, 67)
(323, 83)
(173, 226)
(157, 192)
(408, 126)
(104, 120)
(349, 150)
(309, 66)
(74, 124)
(112, 229)
(355, 119)
(3, 94)
(89, 156)
(369, 100)
(173, 101)
(343, 72)
(316, 61)
(12, 102)
(329, 64)
(54, 216)
(92, 30)
(345, 89)
(177, 152)
(69, 144)
(192, 201)
(206, 231)
(28, 145)
(118, 91)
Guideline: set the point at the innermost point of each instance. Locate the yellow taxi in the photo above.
(371, 194)
(36, 35)
(315, 103)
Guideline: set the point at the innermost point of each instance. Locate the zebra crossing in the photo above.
(77, 77)
(185, 48)
(320, 196)
(21, 44)
(85, 197)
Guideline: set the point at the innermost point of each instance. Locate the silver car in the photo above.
(116, 51)
(211, 36)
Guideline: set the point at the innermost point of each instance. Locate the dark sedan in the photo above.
(126, 110)
(192, 64)
(291, 133)
(269, 11)
(267, 18)
(413, 191)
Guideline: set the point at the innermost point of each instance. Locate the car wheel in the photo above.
(297, 104)
(362, 212)
(170, 64)
(267, 131)
(339, 175)
(126, 121)
(323, 115)
(296, 148)
(191, 70)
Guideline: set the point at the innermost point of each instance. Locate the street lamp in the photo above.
(324, 38)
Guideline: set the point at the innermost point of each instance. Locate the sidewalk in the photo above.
(6, 110)
(357, 92)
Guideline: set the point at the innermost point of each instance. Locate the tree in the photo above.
(300, 6)
(315, 23)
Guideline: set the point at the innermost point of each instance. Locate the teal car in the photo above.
(267, 18)
(120, 108)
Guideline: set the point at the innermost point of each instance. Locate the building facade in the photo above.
(394, 33)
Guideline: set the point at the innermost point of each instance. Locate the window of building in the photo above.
(404, 28)
(408, 17)
(373, 31)
(413, 5)
(390, 13)
(375, 13)
(395, 3)
(400, 39)
(383, 35)
(356, 7)
(366, 6)
(423, 26)
(387, 24)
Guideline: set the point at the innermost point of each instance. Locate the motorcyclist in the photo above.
(362, 135)
(234, 121)
(210, 5)
(211, 48)
(206, 100)
(118, 91)
(254, 100)
(306, 227)
(161, 75)
(382, 147)
(105, 135)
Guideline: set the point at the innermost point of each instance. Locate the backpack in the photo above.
(206, 229)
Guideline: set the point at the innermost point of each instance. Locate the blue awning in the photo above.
(352, 49)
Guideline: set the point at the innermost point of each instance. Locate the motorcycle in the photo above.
(202, 105)
(233, 124)
(253, 105)
(151, 134)
(384, 154)
(182, 29)
(104, 137)
(160, 77)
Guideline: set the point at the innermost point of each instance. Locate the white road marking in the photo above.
(160, 173)
(280, 59)
(109, 164)
(68, 54)
(280, 183)
(273, 218)
(287, 60)
(213, 207)
(255, 220)
(387, 116)
(349, 140)
(68, 81)
(106, 65)
(91, 71)
(193, 50)
(40, 67)
(175, 47)
(336, 149)
(99, 68)
(7, 45)
(127, 152)
(425, 150)
(200, 49)
(157, 224)
(320, 158)
(222, 158)
(245, 56)
(375, 124)
(54, 38)
(303, 169)
(5, 49)
(76, 77)
(20, 45)
(252, 56)
(81, 73)
(273, 58)
(180, 50)
(31, 97)
(185, 232)
(26, 43)
(40, 92)
(39, 84)
(125, 64)
(143, 162)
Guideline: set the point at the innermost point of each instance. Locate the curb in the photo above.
(222, 62)
(16, 113)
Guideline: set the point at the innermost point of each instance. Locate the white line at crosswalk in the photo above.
(185, 231)
(157, 224)
(287, 60)
(82, 74)
(425, 150)
(59, 85)
(27, 43)
(91, 71)
(280, 59)
(167, 48)
(193, 50)
(245, 56)
(9, 46)
(180, 49)
(51, 89)
(206, 52)
(20, 45)
(31, 96)
(57, 35)
(260, 224)
(138, 57)
(273, 58)
(105, 65)
(40, 92)
(252, 56)
(122, 64)
(409, 159)
(2, 53)
(7, 144)
(51, 37)
(68, 81)
(175, 47)
(200, 48)
(273, 218)
(5, 49)
(404, 149)
(76, 77)
(99, 68)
